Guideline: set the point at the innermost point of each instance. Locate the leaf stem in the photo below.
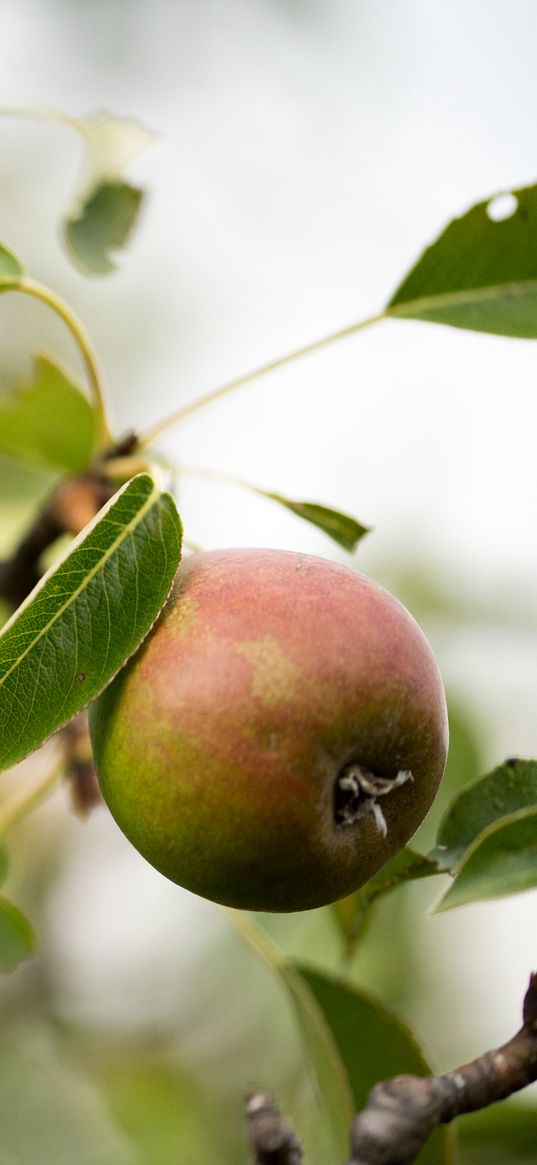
(215, 475)
(43, 113)
(21, 801)
(230, 386)
(38, 291)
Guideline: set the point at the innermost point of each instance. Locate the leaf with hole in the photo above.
(11, 269)
(17, 941)
(481, 273)
(86, 616)
(48, 422)
(342, 528)
(507, 789)
(373, 1045)
(502, 860)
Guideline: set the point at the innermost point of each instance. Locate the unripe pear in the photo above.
(279, 735)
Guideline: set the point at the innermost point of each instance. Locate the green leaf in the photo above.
(480, 273)
(4, 864)
(160, 1107)
(17, 939)
(508, 788)
(48, 422)
(372, 1043)
(103, 225)
(86, 616)
(500, 1135)
(503, 860)
(107, 207)
(350, 914)
(334, 1090)
(11, 268)
(52, 1110)
(343, 529)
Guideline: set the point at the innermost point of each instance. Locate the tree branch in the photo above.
(400, 1114)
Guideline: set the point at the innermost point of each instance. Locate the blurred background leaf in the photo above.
(47, 421)
(501, 1135)
(10, 267)
(103, 225)
(17, 940)
(373, 1046)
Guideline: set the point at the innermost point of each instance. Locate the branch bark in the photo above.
(400, 1114)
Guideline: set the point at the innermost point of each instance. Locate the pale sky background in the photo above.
(309, 151)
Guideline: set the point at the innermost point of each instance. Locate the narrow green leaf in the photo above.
(372, 1043)
(343, 529)
(502, 860)
(481, 273)
(508, 788)
(86, 616)
(11, 268)
(103, 225)
(17, 939)
(4, 864)
(350, 914)
(48, 422)
(335, 1093)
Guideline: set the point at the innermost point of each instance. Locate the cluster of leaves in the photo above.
(480, 274)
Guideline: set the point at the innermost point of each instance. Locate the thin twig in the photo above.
(215, 394)
(80, 772)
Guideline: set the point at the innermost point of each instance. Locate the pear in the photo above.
(279, 735)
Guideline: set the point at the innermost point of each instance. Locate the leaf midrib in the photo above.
(460, 298)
